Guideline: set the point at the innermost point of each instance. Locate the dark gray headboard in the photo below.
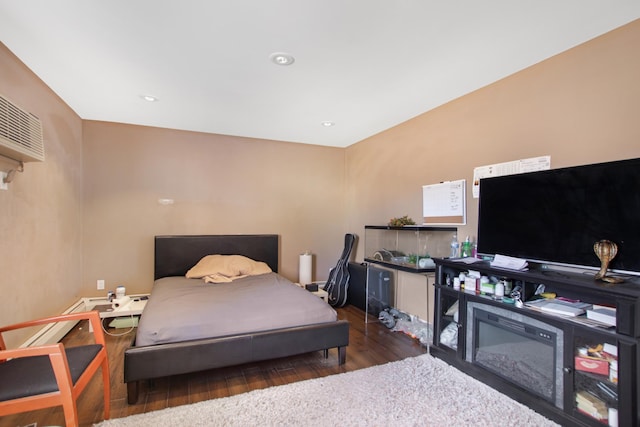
(175, 255)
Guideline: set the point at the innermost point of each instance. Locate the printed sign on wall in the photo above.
(508, 168)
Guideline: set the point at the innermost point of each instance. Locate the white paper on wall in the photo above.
(508, 168)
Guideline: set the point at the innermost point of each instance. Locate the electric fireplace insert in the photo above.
(518, 348)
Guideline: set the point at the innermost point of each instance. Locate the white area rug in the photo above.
(417, 391)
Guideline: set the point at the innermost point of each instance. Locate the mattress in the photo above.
(181, 309)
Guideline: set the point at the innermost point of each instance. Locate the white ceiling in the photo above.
(366, 65)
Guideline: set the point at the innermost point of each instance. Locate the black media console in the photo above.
(570, 369)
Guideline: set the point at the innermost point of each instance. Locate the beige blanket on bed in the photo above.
(226, 268)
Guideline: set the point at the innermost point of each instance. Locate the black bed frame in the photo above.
(174, 255)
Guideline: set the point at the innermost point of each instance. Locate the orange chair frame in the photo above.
(67, 393)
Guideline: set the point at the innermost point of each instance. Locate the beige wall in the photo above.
(59, 235)
(219, 184)
(90, 211)
(580, 107)
(41, 212)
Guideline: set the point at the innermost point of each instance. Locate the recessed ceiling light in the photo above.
(281, 58)
(328, 124)
(149, 98)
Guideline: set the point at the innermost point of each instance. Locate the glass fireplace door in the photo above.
(518, 348)
(596, 377)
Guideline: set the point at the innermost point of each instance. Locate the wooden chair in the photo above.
(51, 375)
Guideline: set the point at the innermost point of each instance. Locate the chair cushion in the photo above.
(30, 376)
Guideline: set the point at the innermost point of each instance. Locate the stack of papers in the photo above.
(510, 263)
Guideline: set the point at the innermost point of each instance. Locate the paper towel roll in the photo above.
(120, 302)
(306, 263)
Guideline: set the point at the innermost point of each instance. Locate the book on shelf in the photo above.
(602, 314)
(559, 307)
(562, 309)
(591, 405)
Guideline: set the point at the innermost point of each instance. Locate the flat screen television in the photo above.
(555, 216)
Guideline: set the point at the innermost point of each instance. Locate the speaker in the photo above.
(357, 290)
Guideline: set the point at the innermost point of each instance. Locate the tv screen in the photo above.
(556, 216)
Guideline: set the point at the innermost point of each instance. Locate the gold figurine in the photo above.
(606, 250)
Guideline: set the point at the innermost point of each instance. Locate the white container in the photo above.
(499, 289)
(507, 287)
(613, 417)
(120, 292)
(613, 371)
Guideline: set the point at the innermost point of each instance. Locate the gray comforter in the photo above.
(181, 309)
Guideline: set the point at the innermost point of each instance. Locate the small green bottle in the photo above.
(466, 248)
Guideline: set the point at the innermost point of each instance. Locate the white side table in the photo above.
(134, 308)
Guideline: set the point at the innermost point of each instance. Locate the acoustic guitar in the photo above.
(338, 281)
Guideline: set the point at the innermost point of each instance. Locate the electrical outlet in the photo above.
(100, 284)
(3, 185)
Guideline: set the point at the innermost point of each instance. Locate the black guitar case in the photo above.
(338, 281)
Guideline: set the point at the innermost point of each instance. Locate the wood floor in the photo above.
(370, 343)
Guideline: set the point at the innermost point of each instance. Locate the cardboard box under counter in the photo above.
(595, 366)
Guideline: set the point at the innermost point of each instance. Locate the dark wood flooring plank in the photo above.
(371, 344)
(178, 391)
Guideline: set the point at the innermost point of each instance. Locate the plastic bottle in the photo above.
(499, 290)
(466, 248)
(454, 246)
(462, 277)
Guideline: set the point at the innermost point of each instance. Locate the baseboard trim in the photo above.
(54, 332)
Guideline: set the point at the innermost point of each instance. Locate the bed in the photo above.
(175, 353)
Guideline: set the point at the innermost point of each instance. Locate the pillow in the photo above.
(227, 267)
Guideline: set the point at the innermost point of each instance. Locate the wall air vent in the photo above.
(20, 133)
